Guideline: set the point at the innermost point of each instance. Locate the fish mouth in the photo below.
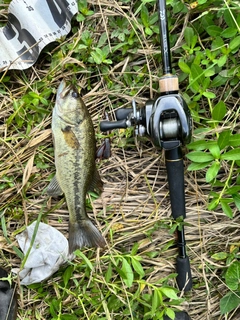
(63, 89)
(65, 105)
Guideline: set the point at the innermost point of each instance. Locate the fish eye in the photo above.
(75, 94)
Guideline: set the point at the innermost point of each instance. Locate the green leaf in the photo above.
(200, 156)
(219, 256)
(234, 140)
(153, 19)
(222, 61)
(184, 67)
(148, 31)
(170, 313)
(225, 73)
(138, 267)
(236, 198)
(213, 204)
(233, 275)
(214, 31)
(80, 254)
(234, 189)
(209, 73)
(188, 35)
(235, 43)
(33, 95)
(5, 234)
(97, 56)
(197, 73)
(113, 304)
(200, 145)
(219, 111)
(135, 249)
(229, 302)
(198, 166)
(67, 274)
(108, 274)
(229, 32)
(218, 81)
(226, 209)
(156, 300)
(178, 6)
(217, 43)
(69, 317)
(229, 19)
(145, 16)
(82, 5)
(195, 87)
(80, 17)
(127, 272)
(223, 139)
(44, 101)
(212, 171)
(103, 39)
(209, 95)
(81, 47)
(54, 307)
(215, 150)
(169, 292)
(107, 61)
(233, 155)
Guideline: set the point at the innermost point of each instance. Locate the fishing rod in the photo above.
(166, 120)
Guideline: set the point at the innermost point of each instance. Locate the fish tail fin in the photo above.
(84, 234)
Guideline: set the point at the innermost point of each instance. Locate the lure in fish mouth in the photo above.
(76, 172)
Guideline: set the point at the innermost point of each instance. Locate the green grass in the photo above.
(113, 54)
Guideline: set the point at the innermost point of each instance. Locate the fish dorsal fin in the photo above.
(96, 184)
(54, 189)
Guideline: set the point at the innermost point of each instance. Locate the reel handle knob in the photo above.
(111, 125)
(123, 113)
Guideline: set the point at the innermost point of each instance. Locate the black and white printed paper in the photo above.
(32, 24)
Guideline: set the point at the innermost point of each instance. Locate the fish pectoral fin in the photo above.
(54, 189)
(96, 184)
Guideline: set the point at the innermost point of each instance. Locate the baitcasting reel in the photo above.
(167, 121)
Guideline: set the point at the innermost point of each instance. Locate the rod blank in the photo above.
(164, 37)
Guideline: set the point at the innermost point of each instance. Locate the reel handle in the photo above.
(111, 125)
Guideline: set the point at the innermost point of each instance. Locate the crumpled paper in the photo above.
(48, 253)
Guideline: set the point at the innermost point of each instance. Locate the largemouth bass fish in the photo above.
(76, 173)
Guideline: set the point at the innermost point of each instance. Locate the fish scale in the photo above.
(76, 173)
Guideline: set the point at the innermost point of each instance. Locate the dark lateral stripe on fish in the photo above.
(80, 190)
(70, 138)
